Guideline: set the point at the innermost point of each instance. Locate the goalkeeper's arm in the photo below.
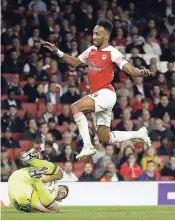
(40, 207)
(56, 175)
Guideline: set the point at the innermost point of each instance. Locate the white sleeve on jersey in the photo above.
(117, 57)
(84, 56)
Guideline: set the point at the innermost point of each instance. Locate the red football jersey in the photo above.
(101, 64)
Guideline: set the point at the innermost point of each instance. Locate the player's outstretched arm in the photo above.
(75, 62)
(136, 72)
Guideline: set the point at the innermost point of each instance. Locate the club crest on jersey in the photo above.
(104, 56)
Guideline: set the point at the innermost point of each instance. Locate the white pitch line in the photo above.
(3, 211)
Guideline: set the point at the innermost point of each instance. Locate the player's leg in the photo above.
(105, 136)
(102, 122)
(103, 100)
(78, 109)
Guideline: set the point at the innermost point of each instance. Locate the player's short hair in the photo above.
(106, 24)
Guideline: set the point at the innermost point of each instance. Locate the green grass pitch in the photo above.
(97, 213)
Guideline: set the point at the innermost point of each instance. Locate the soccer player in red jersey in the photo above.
(101, 59)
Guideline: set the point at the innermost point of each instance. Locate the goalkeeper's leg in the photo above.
(52, 168)
(30, 156)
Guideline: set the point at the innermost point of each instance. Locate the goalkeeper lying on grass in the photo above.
(34, 188)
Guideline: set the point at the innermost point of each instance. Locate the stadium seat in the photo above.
(167, 92)
(60, 164)
(19, 12)
(27, 49)
(62, 128)
(16, 136)
(2, 48)
(8, 76)
(130, 179)
(10, 154)
(74, 144)
(79, 165)
(168, 178)
(42, 107)
(163, 159)
(4, 111)
(40, 101)
(17, 151)
(173, 122)
(22, 98)
(136, 121)
(25, 144)
(78, 173)
(30, 107)
(3, 97)
(8, 47)
(39, 114)
(21, 113)
(22, 83)
(156, 144)
(122, 76)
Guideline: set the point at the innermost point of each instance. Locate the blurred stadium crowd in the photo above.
(37, 88)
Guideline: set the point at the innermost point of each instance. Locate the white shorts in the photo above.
(105, 100)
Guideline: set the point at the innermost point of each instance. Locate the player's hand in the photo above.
(145, 72)
(50, 46)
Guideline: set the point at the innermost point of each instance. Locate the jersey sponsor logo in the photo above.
(104, 56)
(93, 67)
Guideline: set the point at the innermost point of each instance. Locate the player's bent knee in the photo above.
(103, 140)
(74, 109)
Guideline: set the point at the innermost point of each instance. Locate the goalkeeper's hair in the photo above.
(106, 24)
(67, 189)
